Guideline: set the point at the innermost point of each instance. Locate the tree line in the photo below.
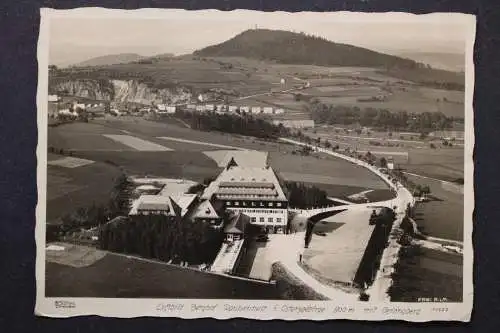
(302, 196)
(162, 237)
(240, 124)
(379, 118)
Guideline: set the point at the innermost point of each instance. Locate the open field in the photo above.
(121, 276)
(406, 149)
(71, 188)
(188, 159)
(323, 171)
(171, 164)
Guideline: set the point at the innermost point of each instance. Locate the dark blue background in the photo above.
(19, 21)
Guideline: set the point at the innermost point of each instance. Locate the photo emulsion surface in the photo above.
(260, 165)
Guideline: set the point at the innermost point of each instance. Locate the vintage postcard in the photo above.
(259, 165)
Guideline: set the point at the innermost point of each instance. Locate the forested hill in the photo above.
(294, 48)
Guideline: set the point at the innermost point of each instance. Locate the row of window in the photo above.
(269, 220)
(261, 211)
(254, 204)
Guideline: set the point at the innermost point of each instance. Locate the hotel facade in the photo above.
(255, 192)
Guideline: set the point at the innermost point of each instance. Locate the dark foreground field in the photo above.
(116, 276)
(425, 273)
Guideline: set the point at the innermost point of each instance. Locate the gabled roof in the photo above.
(171, 205)
(231, 163)
(237, 224)
(205, 210)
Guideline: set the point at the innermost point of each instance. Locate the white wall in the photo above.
(264, 213)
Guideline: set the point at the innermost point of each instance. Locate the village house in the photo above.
(267, 110)
(256, 110)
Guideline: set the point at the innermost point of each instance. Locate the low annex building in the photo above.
(183, 205)
(255, 192)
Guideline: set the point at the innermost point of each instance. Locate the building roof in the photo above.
(237, 224)
(235, 182)
(167, 204)
(205, 210)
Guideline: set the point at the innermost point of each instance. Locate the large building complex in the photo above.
(255, 192)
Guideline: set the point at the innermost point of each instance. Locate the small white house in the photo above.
(53, 98)
(245, 109)
(161, 107)
(65, 112)
(220, 108)
(279, 111)
(256, 109)
(267, 110)
(200, 108)
(191, 107)
(79, 106)
(209, 107)
(232, 108)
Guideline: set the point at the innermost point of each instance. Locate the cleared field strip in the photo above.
(200, 143)
(346, 181)
(337, 255)
(70, 162)
(136, 143)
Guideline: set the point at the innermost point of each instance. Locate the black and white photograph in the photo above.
(265, 165)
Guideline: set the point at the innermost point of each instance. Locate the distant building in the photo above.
(65, 112)
(244, 109)
(191, 107)
(209, 107)
(80, 106)
(53, 98)
(255, 192)
(306, 123)
(448, 135)
(256, 109)
(279, 111)
(232, 108)
(200, 108)
(147, 189)
(267, 110)
(165, 109)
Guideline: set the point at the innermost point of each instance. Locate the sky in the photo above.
(80, 34)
